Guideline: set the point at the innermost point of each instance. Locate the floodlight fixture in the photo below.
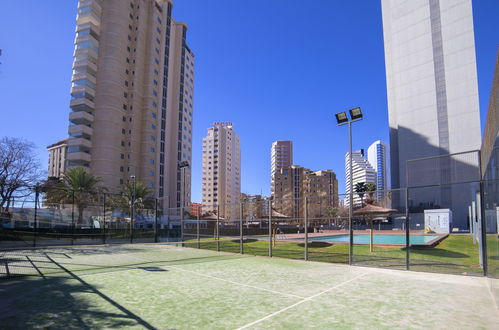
(355, 113)
(183, 164)
(341, 117)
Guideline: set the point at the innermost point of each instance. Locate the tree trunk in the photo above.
(80, 216)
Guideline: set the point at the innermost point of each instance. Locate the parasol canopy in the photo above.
(373, 210)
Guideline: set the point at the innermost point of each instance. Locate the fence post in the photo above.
(197, 228)
(131, 222)
(155, 220)
(104, 219)
(35, 224)
(73, 219)
(407, 232)
(306, 228)
(182, 224)
(218, 228)
(270, 228)
(241, 247)
(483, 225)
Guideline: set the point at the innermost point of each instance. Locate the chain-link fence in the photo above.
(411, 228)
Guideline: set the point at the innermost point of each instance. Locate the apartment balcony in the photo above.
(85, 52)
(82, 89)
(74, 129)
(84, 76)
(74, 142)
(94, 3)
(81, 103)
(79, 156)
(84, 61)
(82, 38)
(81, 117)
(87, 17)
(88, 25)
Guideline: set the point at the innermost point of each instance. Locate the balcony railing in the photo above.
(81, 117)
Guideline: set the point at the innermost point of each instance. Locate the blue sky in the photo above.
(277, 69)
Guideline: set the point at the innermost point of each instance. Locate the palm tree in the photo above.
(370, 189)
(141, 192)
(360, 189)
(77, 187)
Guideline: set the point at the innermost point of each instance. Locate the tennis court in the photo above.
(166, 286)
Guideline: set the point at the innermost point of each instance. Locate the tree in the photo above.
(19, 170)
(332, 212)
(77, 187)
(360, 189)
(370, 189)
(125, 199)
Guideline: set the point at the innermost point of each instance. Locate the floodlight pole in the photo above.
(341, 122)
(350, 197)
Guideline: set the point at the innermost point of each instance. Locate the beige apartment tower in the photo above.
(281, 155)
(222, 171)
(294, 183)
(57, 158)
(132, 96)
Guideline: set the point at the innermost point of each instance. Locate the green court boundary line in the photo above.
(301, 302)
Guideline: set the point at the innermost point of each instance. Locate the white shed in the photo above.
(438, 220)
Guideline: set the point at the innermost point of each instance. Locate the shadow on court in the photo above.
(60, 303)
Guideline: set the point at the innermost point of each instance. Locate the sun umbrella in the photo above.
(373, 211)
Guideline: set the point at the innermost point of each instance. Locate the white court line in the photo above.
(237, 283)
(300, 302)
(222, 279)
(489, 288)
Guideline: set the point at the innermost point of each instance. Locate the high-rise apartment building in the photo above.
(378, 158)
(281, 155)
(222, 171)
(294, 183)
(132, 96)
(431, 80)
(255, 206)
(362, 171)
(57, 158)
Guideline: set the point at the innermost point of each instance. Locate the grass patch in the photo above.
(456, 254)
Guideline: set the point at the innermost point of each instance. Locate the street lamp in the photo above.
(133, 177)
(183, 165)
(342, 119)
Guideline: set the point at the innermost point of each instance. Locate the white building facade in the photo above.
(431, 80)
(362, 172)
(222, 171)
(378, 157)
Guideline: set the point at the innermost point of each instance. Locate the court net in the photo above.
(57, 261)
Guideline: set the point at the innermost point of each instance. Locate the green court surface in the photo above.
(160, 286)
